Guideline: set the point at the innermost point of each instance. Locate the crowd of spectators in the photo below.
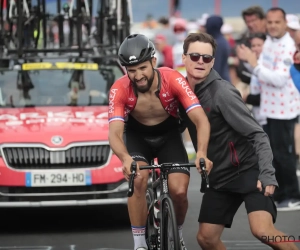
(263, 63)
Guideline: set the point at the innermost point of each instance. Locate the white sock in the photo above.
(139, 237)
(180, 231)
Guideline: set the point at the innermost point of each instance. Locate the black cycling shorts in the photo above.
(219, 206)
(162, 141)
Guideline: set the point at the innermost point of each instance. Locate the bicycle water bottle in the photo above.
(156, 214)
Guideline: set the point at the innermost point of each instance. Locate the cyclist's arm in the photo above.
(199, 118)
(116, 113)
(116, 142)
(191, 104)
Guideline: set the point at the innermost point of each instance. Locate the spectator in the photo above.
(150, 22)
(180, 30)
(293, 24)
(213, 27)
(254, 18)
(256, 43)
(280, 103)
(165, 50)
(295, 74)
(166, 30)
(227, 31)
(174, 17)
(202, 22)
(295, 69)
(192, 27)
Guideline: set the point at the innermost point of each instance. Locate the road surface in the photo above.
(104, 228)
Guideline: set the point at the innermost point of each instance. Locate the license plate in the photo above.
(59, 178)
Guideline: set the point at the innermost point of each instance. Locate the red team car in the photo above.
(54, 95)
(54, 148)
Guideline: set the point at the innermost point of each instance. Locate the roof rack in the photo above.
(24, 28)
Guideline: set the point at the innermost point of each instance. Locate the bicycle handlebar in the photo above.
(204, 175)
(168, 165)
(133, 169)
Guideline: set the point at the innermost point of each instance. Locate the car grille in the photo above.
(82, 156)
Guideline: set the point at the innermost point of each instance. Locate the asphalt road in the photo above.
(104, 228)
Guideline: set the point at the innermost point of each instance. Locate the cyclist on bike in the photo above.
(148, 99)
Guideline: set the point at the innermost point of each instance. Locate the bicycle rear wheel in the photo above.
(169, 230)
(151, 232)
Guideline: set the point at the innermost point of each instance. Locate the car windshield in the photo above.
(64, 87)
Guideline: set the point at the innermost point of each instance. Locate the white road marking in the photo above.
(27, 247)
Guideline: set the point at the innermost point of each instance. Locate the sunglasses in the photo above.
(179, 30)
(196, 56)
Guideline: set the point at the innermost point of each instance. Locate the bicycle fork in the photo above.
(155, 240)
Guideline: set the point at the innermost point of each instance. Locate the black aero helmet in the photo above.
(135, 49)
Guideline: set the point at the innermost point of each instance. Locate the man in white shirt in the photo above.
(280, 103)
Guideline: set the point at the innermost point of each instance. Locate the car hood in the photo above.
(41, 125)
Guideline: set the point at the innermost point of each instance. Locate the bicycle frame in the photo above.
(162, 196)
(160, 188)
(160, 192)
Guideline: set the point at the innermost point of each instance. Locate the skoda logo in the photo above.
(56, 139)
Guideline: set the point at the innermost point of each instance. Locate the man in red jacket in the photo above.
(165, 49)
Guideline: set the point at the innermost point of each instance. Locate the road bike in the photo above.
(161, 228)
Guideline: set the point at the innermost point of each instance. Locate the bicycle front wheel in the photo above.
(169, 229)
(151, 231)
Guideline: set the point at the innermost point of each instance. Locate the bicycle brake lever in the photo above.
(204, 173)
(131, 179)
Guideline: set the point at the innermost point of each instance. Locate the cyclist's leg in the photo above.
(137, 205)
(217, 211)
(174, 151)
